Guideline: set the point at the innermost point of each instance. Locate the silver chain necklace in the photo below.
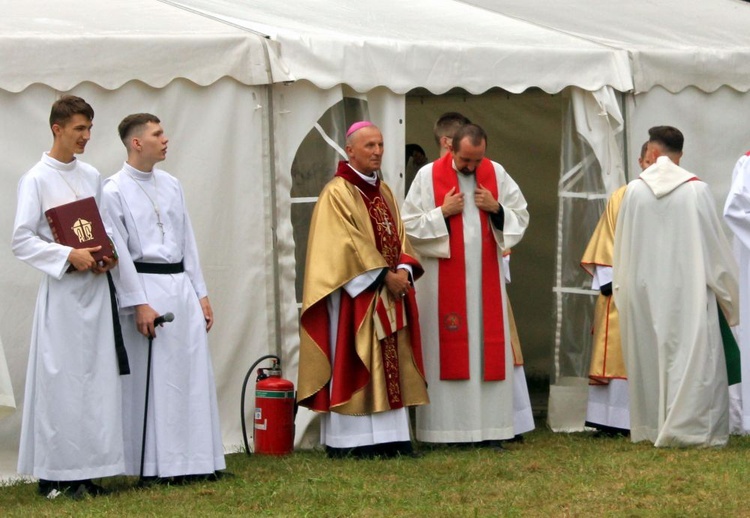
(154, 204)
(75, 192)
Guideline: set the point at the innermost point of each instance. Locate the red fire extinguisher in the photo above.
(274, 411)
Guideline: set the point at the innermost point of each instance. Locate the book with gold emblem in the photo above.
(79, 225)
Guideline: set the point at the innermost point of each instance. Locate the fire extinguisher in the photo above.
(275, 409)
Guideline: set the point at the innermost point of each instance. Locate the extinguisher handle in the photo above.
(242, 396)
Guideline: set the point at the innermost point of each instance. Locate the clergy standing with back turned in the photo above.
(672, 263)
(161, 273)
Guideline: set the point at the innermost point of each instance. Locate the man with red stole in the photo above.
(461, 213)
(360, 351)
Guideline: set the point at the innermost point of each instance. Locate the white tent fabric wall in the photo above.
(219, 158)
(232, 143)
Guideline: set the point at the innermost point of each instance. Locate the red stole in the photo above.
(454, 334)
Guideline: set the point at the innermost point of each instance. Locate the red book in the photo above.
(79, 225)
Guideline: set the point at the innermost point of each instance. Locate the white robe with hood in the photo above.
(672, 263)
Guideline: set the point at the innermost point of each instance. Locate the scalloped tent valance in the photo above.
(434, 44)
(64, 43)
(674, 44)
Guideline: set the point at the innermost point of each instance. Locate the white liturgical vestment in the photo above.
(72, 426)
(672, 264)
(470, 410)
(183, 436)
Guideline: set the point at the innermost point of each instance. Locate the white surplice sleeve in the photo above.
(721, 266)
(27, 243)
(130, 289)
(514, 208)
(423, 221)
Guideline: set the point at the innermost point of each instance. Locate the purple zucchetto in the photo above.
(358, 126)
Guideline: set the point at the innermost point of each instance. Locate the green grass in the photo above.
(548, 475)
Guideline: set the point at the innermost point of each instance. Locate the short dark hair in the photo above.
(413, 148)
(447, 125)
(670, 138)
(66, 106)
(475, 134)
(132, 123)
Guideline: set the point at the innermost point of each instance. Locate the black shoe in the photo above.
(603, 431)
(94, 489)
(78, 492)
(493, 445)
(51, 489)
(386, 450)
(75, 489)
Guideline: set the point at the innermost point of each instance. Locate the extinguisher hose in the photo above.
(242, 398)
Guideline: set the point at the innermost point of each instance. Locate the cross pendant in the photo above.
(160, 225)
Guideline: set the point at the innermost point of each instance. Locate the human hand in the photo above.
(453, 203)
(109, 263)
(208, 313)
(144, 320)
(81, 258)
(484, 200)
(398, 283)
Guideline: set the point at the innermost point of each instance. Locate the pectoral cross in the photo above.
(160, 224)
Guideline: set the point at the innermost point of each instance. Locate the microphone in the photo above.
(163, 319)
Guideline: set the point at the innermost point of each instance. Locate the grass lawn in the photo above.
(547, 475)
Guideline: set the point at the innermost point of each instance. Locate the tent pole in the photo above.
(271, 131)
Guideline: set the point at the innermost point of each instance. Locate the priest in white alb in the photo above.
(672, 263)
(160, 273)
(71, 430)
(462, 212)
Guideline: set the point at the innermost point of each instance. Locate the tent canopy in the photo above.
(61, 44)
(435, 44)
(672, 43)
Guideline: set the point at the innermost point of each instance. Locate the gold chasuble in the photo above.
(606, 355)
(515, 340)
(377, 365)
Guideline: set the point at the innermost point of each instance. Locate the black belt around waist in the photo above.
(163, 268)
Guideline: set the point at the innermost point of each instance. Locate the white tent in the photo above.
(255, 97)
(244, 136)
